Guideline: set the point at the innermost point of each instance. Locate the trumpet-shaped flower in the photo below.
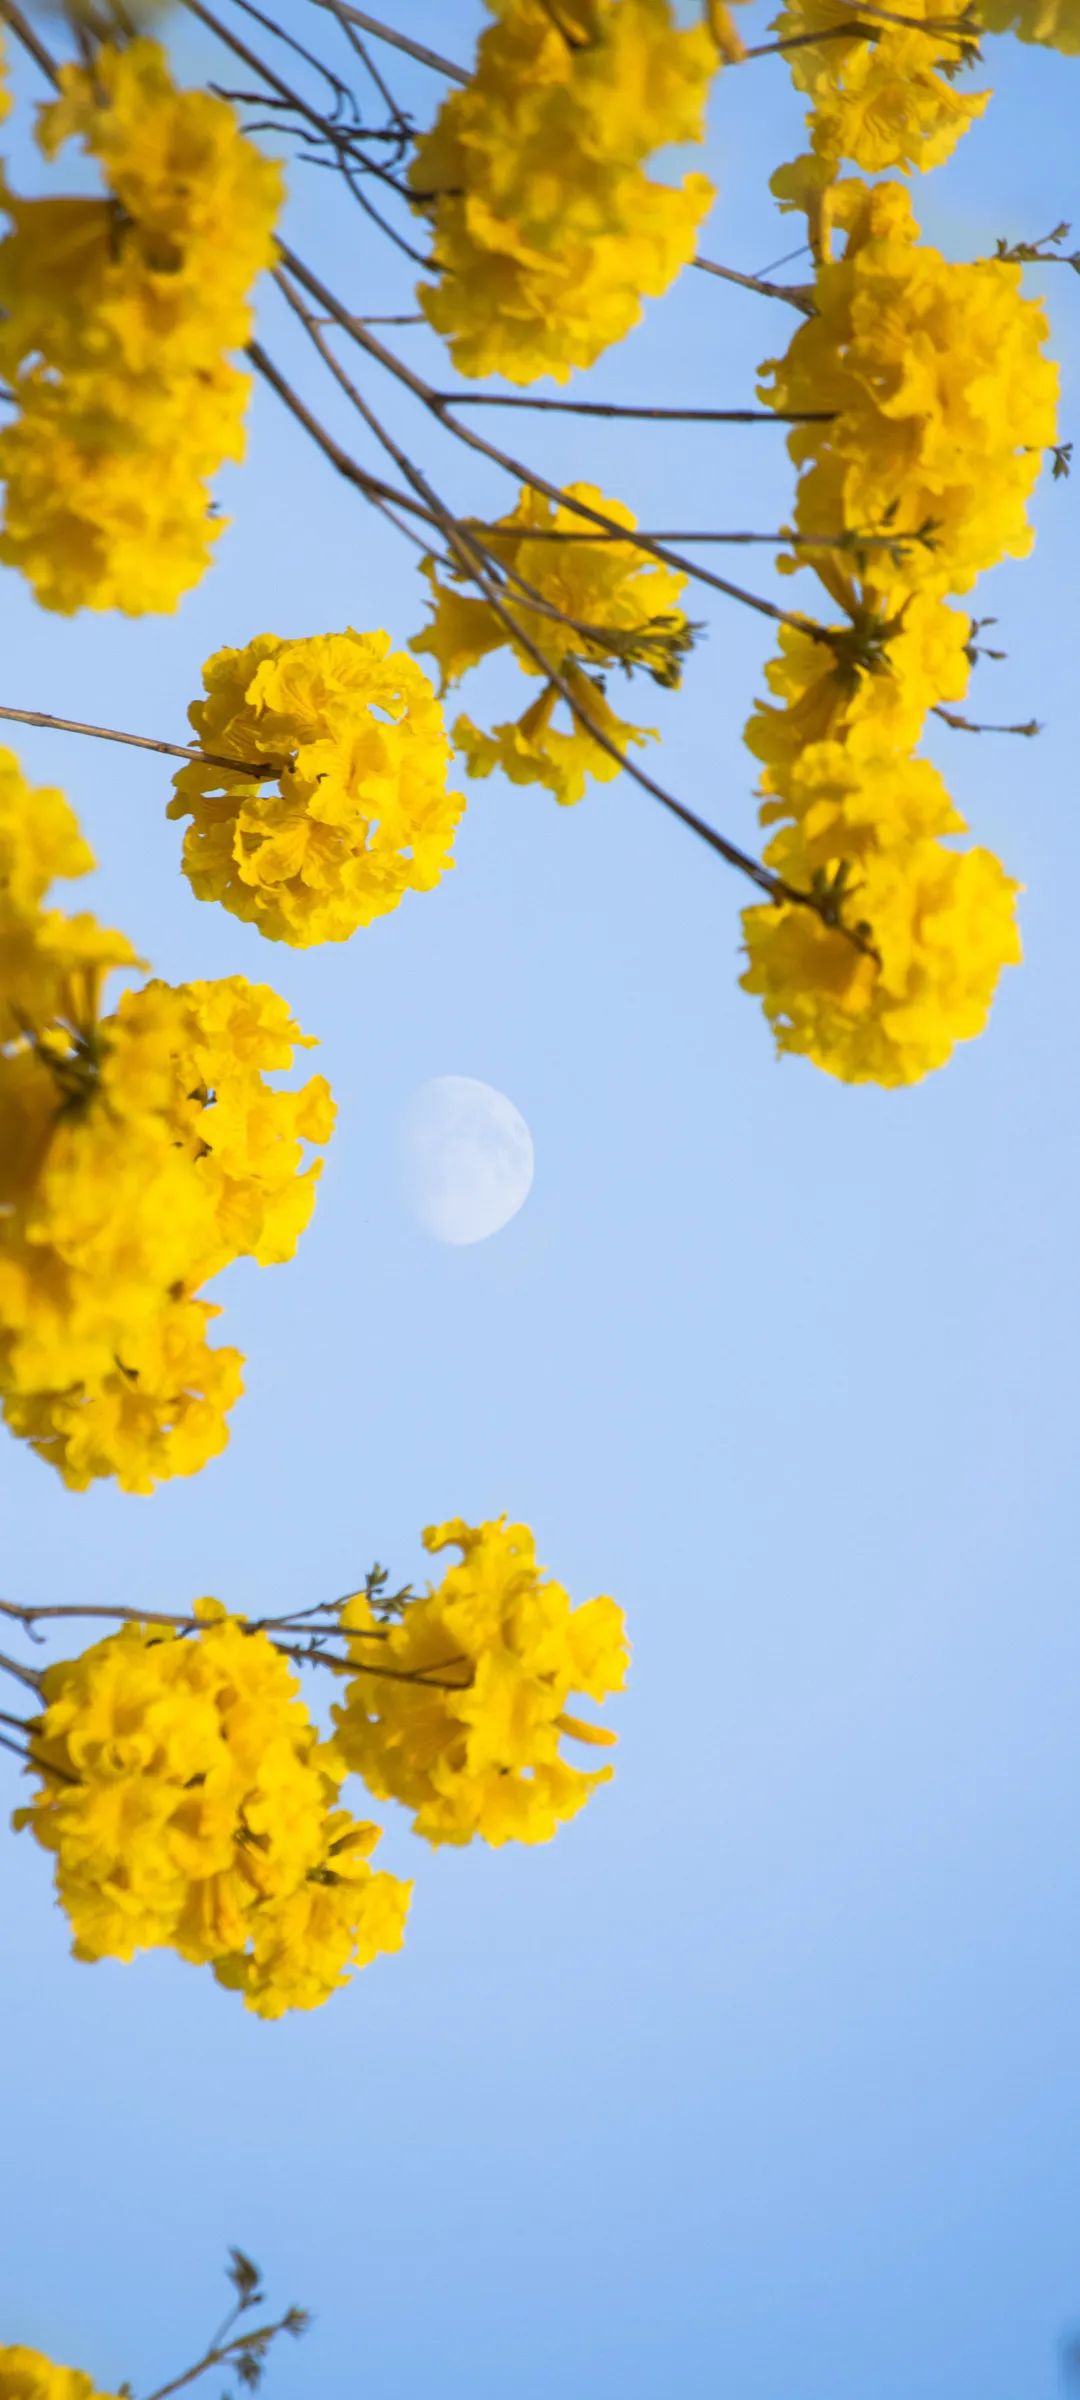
(941, 402)
(190, 1805)
(140, 1152)
(579, 601)
(115, 316)
(356, 758)
(547, 230)
(458, 1708)
(870, 686)
(884, 94)
(941, 924)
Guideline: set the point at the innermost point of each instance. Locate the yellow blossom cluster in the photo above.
(356, 757)
(190, 1805)
(29, 2375)
(116, 314)
(942, 400)
(585, 601)
(140, 1152)
(886, 94)
(922, 929)
(457, 1708)
(547, 230)
(942, 404)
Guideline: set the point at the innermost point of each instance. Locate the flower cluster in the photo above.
(585, 601)
(942, 404)
(191, 1805)
(942, 401)
(884, 94)
(358, 812)
(457, 1709)
(547, 230)
(29, 2375)
(117, 313)
(140, 1152)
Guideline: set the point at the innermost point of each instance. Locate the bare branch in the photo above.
(264, 770)
(612, 408)
(397, 41)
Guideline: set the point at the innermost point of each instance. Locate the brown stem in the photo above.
(23, 1674)
(339, 457)
(396, 41)
(425, 393)
(959, 724)
(856, 29)
(611, 408)
(793, 293)
(24, 33)
(477, 571)
(142, 741)
(216, 2357)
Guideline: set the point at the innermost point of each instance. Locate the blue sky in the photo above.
(763, 2078)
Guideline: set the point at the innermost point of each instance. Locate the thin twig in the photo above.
(612, 408)
(24, 32)
(339, 457)
(959, 724)
(477, 571)
(396, 41)
(215, 2358)
(265, 771)
(424, 392)
(795, 294)
(25, 1675)
(33, 1758)
(856, 29)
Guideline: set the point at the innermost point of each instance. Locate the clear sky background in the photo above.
(763, 2079)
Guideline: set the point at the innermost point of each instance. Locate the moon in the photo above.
(466, 1158)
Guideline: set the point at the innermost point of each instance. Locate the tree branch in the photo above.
(143, 741)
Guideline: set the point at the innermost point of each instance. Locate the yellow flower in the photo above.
(357, 758)
(942, 402)
(304, 1944)
(162, 1412)
(190, 1805)
(50, 965)
(115, 314)
(139, 1153)
(29, 2375)
(459, 1706)
(599, 602)
(943, 925)
(846, 803)
(887, 96)
(547, 230)
(871, 687)
(532, 750)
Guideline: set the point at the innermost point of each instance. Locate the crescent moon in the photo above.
(466, 1158)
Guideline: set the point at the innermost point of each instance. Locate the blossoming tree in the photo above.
(188, 1795)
